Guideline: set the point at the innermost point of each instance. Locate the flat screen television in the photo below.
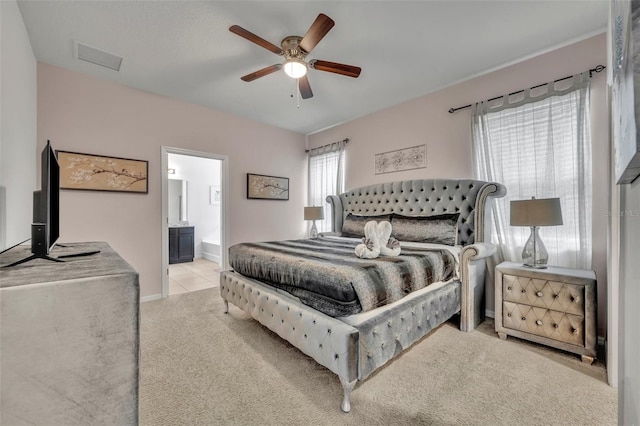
(45, 229)
(46, 204)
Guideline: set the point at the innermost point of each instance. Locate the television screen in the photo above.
(51, 187)
(46, 204)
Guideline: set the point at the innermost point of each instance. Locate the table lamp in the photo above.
(313, 213)
(535, 213)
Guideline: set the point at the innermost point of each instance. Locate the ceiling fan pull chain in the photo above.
(298, 92)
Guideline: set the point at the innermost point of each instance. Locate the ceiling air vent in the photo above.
(98, 57)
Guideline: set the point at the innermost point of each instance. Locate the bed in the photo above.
(354, 343)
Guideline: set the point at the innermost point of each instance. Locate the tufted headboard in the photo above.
(424, 197)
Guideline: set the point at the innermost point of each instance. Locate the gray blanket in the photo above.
(327, 275)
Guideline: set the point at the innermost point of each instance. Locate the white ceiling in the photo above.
(406, 49)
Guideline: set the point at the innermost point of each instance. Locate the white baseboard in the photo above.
(211, 257)
(150, 298)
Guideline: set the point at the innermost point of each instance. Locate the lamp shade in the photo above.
(536, 212)
(313, 213)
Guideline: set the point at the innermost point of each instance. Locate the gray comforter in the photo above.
(326, 274)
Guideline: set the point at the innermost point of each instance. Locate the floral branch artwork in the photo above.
(100, 173)
(267, 187)
(401, 159)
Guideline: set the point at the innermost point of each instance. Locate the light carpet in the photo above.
(200, 366)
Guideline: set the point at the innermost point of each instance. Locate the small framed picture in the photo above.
(262, 187)
(214, 195)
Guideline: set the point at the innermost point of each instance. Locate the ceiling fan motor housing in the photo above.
(291, 48)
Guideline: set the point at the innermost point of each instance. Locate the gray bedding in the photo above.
(325, 273)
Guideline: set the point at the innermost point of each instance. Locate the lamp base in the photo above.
(313, 232)
(535, 266)
(534, 254)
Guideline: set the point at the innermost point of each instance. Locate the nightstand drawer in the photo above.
(556, 325)
(553, 295)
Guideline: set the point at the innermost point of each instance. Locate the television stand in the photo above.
(32, 257)
(53, 259)
(86, 253)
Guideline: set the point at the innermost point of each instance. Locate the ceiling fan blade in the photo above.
(334, 67)
(305, 87)
(261, 73)
(316, 32)
(255, 39)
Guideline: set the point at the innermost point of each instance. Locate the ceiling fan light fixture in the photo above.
(295, 68)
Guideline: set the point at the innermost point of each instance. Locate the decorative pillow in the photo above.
(353, 226)
(439, 229)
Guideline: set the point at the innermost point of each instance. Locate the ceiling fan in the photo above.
(295, 50)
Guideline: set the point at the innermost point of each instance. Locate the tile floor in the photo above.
(192, 276)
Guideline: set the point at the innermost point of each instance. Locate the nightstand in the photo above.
(553, 306)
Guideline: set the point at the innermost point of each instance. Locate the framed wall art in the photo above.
(215, 195)
(411, 158)
(262, 187)
(100, 173)
(625, 91)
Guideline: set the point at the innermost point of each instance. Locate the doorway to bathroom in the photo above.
(193, 224)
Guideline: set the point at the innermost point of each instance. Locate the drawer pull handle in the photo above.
(575, 331)
(539, 322)
(523, 291)
(523, 318)
(539, 294)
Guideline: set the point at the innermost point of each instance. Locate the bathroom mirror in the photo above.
(177, 201)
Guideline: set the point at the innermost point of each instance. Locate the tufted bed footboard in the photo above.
(355, 346)
(352, 347)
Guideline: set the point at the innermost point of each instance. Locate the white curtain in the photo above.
(326, 177)
(540, 145)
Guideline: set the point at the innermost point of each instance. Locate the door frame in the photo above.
(224, 223)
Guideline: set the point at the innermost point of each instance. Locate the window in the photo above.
(326, 177)
(540, 146)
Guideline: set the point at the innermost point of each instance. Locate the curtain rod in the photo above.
(345, 140)
(598, 68)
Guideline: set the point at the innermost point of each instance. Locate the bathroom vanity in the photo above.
(181, 244)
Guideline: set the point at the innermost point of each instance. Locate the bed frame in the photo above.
(353, 347)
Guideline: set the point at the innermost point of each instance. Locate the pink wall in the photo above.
(90, 115)
(425, 120)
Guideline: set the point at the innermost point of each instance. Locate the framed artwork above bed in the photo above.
(399, 160)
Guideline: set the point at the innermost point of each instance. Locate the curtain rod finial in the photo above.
(598, 68)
